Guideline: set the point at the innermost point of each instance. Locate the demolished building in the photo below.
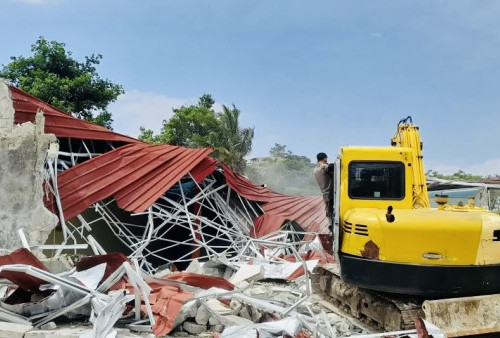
(162, 206)
(160, 186)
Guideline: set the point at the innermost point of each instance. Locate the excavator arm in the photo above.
(407, 135)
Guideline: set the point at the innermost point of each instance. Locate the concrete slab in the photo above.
(10, 330)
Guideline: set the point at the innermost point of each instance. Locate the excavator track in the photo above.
(381, 311)
(385, 312)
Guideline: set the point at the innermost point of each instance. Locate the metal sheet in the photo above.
(307, 211)
(58, 122)
(136, 174)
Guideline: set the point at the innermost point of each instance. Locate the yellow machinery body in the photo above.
(391, 240)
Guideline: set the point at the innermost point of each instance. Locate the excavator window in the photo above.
(376, 180)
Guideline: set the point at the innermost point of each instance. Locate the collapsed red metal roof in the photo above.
(137, 174)
(307, 211)
(58, 122)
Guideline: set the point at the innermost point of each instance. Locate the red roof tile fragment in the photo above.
(201, 281)
(21, 279)
(166, 305)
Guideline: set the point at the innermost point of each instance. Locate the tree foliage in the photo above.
(52, 75)
(231, 142)
(199, 126)
(284, 172)
(460, 175)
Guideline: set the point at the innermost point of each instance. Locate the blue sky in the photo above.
(313, 75)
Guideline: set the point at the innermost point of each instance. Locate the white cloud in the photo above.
(136, 109)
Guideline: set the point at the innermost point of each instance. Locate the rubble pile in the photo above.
(219, 297)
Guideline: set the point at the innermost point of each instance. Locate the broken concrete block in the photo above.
(333, 318)
(242, 285)
(188, 310)
(217, 328)
(256, 315)
(236, 305)
(285, 297)
(343, 328)
(214, 321)
(228, 273)
(218, 307)
(247, 273)
(245, 313)
(59, 264)
(232, 320)
(202, 315)
(259, 291)
(48, 326)
(122, 332)
(194, 267)
(193, 328)
(11, 330)
(212, 271)
(206, 335)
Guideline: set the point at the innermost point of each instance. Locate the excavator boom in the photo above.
(407, 135)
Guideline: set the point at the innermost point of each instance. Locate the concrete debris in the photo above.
(288, 326)
(247, 273)
(177, 303)
(12, 330)
(202, 315)
(48, 326)
(59, 264)
(193, 328)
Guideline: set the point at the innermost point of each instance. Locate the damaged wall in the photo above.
(22, 152)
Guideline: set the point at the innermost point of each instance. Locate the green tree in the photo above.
(279, 150)
(52, 75)
(190, 126)
(231, 142)
(199, 126)
(460, 175)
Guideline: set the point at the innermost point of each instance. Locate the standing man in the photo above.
(323, 174)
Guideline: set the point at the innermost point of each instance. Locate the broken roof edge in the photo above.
(26, 106)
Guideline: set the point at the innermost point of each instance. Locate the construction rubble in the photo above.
(110, 296)
(103, 235)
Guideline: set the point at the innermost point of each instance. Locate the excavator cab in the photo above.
(386, 236)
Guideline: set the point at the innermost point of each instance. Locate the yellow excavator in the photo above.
(388, 238)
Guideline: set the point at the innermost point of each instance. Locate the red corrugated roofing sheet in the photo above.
(166, 305)
(58, 122)
(307, 211)
(136, 174)
(21, 279)
(200, 281)
(266, 224)
(203, 169)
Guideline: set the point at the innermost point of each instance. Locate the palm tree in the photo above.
(232, 143)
